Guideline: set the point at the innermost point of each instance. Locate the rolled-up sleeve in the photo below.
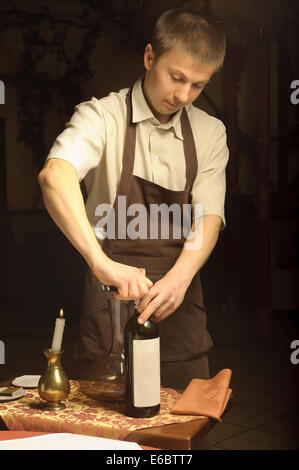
(83, 139)
(210, 183)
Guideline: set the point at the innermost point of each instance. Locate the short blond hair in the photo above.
(199, 35)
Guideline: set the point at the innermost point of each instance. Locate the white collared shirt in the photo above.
(93, 142)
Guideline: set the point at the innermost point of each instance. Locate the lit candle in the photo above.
(58, 333)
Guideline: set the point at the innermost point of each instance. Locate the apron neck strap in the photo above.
(189, 150)
(129, 149)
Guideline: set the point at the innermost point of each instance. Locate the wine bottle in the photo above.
(142, 365)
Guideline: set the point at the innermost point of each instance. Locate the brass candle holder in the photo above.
(53, 386)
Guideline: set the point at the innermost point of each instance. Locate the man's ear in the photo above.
(149, 56)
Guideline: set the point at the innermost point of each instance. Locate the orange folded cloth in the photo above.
(205, 397)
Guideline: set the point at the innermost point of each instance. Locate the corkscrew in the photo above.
(109, 288)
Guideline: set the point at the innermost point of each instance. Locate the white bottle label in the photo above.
(146, 372)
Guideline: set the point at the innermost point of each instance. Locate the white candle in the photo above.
(58, 333)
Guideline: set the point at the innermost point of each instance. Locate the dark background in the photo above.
(55, 56)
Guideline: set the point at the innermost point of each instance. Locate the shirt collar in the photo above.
(141, 111)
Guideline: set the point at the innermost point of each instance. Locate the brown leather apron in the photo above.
(183, 335)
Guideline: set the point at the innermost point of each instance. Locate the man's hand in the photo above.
(163, 298)
(130, 281)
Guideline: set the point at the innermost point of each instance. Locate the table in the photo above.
(178, 436)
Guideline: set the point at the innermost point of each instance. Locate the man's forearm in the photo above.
(64, 202)
(193, 259)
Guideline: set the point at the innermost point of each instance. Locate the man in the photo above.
(150, 146)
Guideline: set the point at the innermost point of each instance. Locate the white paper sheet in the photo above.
(67, 441)
(30, 381)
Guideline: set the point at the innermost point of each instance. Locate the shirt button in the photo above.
(156, 158)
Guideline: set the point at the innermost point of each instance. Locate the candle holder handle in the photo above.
(53, 386)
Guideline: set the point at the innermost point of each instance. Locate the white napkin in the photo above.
(30, 381)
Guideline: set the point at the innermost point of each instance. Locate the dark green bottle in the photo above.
(142, 364)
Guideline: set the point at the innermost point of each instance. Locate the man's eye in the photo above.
(176, 79)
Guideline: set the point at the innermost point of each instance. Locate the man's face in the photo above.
(172, 81)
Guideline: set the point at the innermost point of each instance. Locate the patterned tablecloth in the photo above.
(85, 415)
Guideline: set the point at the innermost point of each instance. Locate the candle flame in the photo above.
(61, 313)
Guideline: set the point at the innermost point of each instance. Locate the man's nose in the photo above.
(182, 94)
